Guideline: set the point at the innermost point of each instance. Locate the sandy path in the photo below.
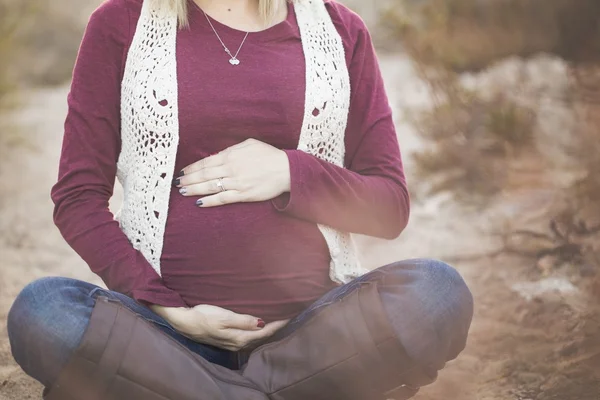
(31, 246)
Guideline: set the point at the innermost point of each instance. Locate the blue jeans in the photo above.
(427, 303)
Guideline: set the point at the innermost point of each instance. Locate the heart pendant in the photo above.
(234, 61)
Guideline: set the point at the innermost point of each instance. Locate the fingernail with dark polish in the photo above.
(261, 323)
(181, 173)
(183, 191)
(199, 203)
(176, 182)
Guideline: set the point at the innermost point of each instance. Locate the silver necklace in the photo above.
(233, 60)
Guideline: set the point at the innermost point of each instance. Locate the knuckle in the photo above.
(236, 197)
(231, 184)
(250, 323)
(246, 187)
(251, 193)
(188, 190)
(228, 318)
(245, 196)
(220, 323)
(222, 200)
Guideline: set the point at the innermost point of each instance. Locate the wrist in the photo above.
(286, 177)
(172, 314)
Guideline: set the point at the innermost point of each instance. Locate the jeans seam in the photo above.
(112, 296)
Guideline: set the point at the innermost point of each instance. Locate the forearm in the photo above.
(343, 199)
(370, 195)
(90, 229)
(88, 163)
(171, 314)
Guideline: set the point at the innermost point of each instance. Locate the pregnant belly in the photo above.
(247, 257)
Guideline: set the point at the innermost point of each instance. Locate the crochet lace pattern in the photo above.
(150, 126)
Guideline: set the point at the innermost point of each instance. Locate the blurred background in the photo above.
(497, 104)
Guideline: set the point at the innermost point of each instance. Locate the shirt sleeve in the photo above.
(370, 196)
(87, 168)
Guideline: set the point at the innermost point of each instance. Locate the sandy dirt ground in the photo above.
(530, 340)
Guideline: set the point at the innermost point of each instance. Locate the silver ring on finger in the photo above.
(220, 185)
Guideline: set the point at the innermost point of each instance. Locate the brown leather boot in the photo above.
(347, 351)
(124, 357)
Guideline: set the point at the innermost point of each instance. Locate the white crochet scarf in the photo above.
(150, 126)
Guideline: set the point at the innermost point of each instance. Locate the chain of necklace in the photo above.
(233, 60)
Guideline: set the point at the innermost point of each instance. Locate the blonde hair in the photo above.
(267, 8)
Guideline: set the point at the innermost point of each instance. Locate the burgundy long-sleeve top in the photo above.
(267, 259)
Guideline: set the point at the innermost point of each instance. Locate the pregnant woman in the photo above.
(251, 137)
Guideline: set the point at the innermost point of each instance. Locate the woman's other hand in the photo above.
(217, 326)
(250, 171)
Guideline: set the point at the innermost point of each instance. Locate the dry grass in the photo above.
(50, 41)
(472, 139)
(11, 14)
(569, 236)
(484, 145)
(585, 150)
(39, 40)
(38, 46)
(469, 35)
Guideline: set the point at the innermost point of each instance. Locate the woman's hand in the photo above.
(250, 171)
(217, 326)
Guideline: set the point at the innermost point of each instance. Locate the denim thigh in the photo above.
(427, 303)
(49, 317)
